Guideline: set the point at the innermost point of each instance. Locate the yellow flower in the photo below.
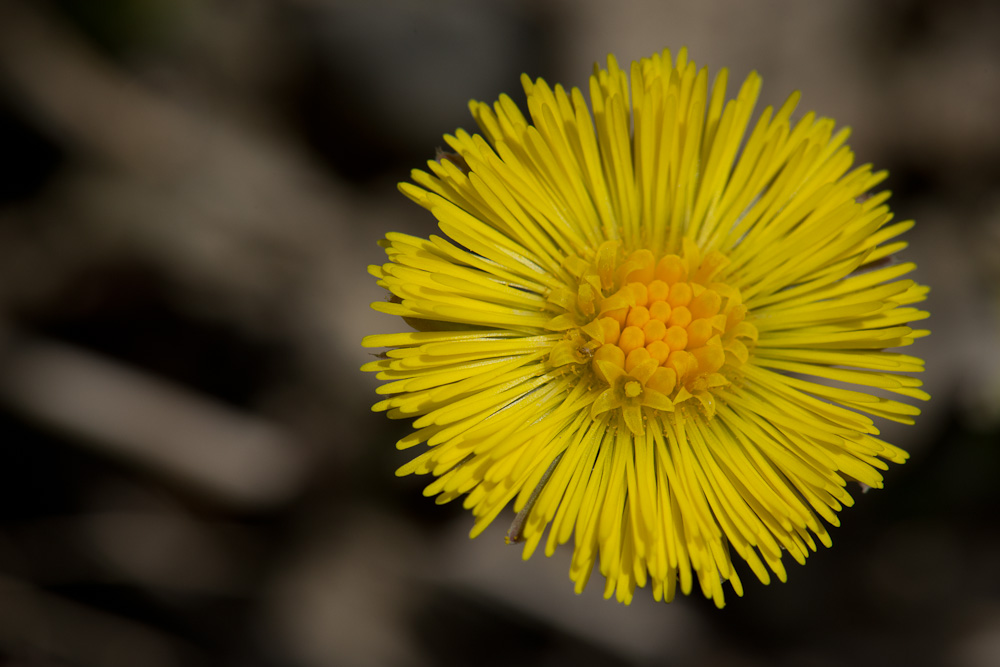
(639, 324)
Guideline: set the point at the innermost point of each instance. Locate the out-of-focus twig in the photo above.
(240, 214)
(232, 457)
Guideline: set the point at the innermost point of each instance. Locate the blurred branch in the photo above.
(85, 100)
(229, 456)
(242, 216)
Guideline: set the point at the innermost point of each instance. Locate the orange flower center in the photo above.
(654, 332)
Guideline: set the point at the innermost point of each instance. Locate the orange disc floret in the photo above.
(631, 338)
(680, 317)
(670, 269)
(634, 358)
(676, 337)
(680, 295)
(657, 290)
(658, 350)
(660, 310)
(654, 330)
(637, 317)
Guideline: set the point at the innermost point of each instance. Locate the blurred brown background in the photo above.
(189, 471)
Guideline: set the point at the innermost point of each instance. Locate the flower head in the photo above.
(643, 324)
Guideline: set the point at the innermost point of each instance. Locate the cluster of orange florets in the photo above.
(664, 325)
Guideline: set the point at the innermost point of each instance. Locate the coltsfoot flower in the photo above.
(642, 326)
